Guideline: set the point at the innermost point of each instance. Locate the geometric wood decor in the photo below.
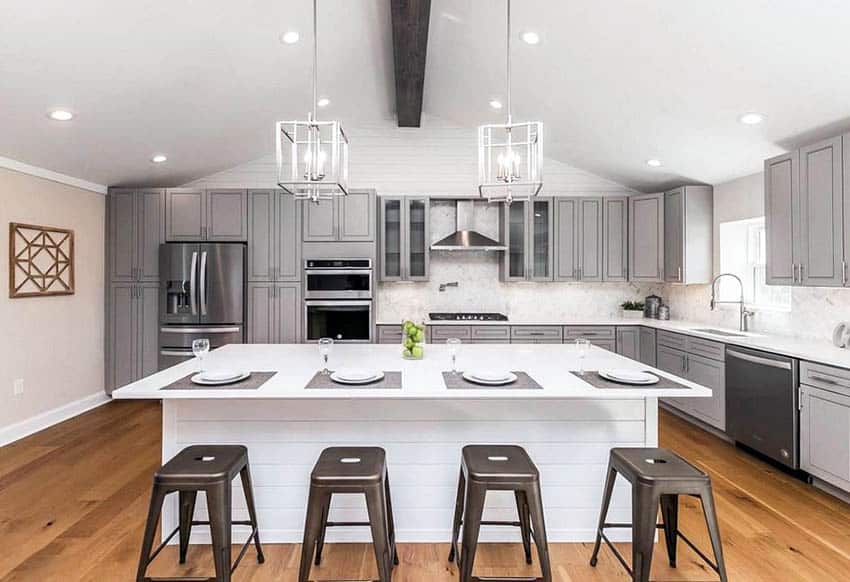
(41, 261)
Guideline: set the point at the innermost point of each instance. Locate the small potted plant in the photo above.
(413, 340)
(632, 309)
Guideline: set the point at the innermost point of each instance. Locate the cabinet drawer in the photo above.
(591, 332)
(536, 332)
(440, 333)
(610, 345)
(672, 340)
(491, 333)
(825, 377)
(671, 360)
(707, 348)
(389, 334)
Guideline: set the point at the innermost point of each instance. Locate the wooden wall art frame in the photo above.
(41, 261)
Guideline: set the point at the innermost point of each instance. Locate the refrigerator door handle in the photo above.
(203, 282)
(192, 284)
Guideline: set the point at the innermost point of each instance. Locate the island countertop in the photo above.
(549, 364)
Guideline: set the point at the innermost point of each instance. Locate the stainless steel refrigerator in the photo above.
(202, 296)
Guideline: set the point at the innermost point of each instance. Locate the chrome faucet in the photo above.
(444, 286)
(744, 313)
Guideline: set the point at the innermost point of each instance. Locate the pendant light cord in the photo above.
(316, 56)
(508, 59)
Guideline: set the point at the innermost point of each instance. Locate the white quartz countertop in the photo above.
(295, 364)
(813, 350)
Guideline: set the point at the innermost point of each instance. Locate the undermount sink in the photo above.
(717, 332)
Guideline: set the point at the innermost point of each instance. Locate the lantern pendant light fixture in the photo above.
(510, 155)
(312, 155)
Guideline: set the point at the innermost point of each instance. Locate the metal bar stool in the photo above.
(207, 468)
(498, 468)
(350, 470)
(658, 477)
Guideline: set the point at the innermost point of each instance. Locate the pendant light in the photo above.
(312, 155)
(510, 155)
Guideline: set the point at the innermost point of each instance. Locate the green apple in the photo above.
(418, 352)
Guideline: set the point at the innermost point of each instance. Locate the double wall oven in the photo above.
(338, 300)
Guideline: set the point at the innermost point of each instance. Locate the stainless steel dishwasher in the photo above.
(761, 403)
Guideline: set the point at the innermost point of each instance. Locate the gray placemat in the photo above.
(593, 378)
(390, 381)
(456, 381)
(252, 382)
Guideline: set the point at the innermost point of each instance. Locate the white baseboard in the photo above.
(19, 430)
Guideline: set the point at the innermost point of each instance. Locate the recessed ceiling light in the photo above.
(60, 115)
(751, 118)
(530, 37)
(323, 102)
(496, 104)
(654, 163)
(159, 158)
(290, 37)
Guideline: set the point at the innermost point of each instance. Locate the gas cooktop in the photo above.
(467, 317)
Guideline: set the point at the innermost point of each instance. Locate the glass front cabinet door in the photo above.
(527, 226)
(405, 238)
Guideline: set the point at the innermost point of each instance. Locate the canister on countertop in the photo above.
(651, 305)
(664, 312)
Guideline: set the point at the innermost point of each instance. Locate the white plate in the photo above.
(199, 379)
(354, 379)
(494, 379)
(629, 377)
(220, 375)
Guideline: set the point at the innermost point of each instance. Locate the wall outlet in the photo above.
(18, 387)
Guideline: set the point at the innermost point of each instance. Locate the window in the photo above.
(743, 252)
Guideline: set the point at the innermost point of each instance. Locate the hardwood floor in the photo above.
(73, 501)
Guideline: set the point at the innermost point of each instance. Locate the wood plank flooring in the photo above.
(73, 500)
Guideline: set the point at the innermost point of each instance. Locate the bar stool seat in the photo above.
(658, 477)
(498, 468)
(211, 469)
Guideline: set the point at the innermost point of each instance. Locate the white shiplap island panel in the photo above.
(567, 427)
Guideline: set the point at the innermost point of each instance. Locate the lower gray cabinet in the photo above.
(390, 334)
(825, 434)
(647, 346)
(532, 334)
(628, 342)
(274, 313)
(700, 370)
(132, 339)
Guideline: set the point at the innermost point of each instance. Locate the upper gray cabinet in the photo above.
(135, 231)
(578, 239)
(348, 218)
(782, 218)
(197, 215)
(688, 233)
(274, 236)
(404, 238)
(527, 228)
(615, 239)
(646, 238)
(567, 212)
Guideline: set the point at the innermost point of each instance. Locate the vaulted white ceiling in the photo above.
(615, 82)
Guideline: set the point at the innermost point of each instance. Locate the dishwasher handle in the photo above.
(784, 365)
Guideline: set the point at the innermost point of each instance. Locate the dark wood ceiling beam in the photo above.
(410, 43)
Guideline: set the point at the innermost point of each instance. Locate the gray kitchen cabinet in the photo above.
(404, 238)
(671, 360)
(132, 333)
(390, 334)
(592, 333)
(274, 313)
(782, 218)
(615, 239)
(135, 230)
(537, 334)
(567, 212)
(845, 151)
(528, 231)
(348, 218)
(610, 345)
(646, 238)
(274, 236)
(491, 334)
(197, 215)
(579, 244)
(288, 313)
(438, 334)
(647, 346)
(185, 214)
(688, 235)
(590, 241)
(691, 363)
(148, 329)
(825, 434)
(628, 341)
(821, 217)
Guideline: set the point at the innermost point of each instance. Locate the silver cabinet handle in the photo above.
(190, 330)
(203, 292)
(823, 379)
(193, 280)
(178, 354)
(679, 276)
(843, 272)
(759, 360)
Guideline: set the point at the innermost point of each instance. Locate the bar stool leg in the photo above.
(248, 488)
(535, 506)
(708, 509)
(219, 506)
(187, 510)
(524, 523)
(376, 503)
(323, 529)
(670, 519)
(157, 497)
(312, 525)
(390, 520)
(603, 512)
(473, 510)
(459, 500)
(644, 520)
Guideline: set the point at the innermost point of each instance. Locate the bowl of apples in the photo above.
(413, 340)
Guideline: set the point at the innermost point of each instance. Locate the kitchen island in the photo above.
(567, 426)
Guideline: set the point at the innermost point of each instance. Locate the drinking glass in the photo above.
(454, 348)
(200, 347)
(582, 346)
(325, 345)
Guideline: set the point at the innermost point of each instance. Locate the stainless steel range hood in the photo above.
(466, 238)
